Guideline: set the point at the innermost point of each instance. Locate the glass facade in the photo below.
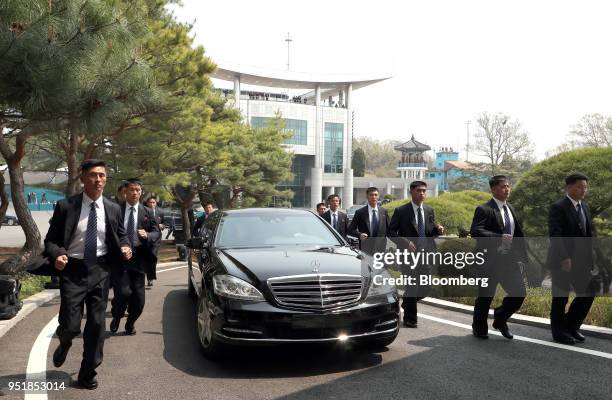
(333, 147)
(298, 127)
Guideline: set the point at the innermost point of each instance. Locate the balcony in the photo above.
(411, 165)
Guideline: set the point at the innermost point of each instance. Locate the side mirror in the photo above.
(352, 241)
(196, 243)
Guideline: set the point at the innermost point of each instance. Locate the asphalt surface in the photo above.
(435, 361)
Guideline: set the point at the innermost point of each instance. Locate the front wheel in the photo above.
(210, 345)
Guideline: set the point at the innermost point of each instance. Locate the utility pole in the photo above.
(288, 40)
(467, 147)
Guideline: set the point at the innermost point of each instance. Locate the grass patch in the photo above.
(31, 284)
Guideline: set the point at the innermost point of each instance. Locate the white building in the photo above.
(320, 118)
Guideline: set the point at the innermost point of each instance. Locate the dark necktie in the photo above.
(420, 223)
(581, 219)
(334, 221)
(507, 227)
(130, 228)
(91, 237)
(374, 223)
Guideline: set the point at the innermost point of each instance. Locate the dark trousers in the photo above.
(414, 293)
(84, 287)
(562, 282)
(508, 274)
(129, 291)
(151, 267)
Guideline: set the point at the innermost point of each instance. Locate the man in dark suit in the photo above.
(197, 226)
(500, 236)
(86, 241)
(151, 261)
(570, 260)
(336, 218)
(143, 234)
(321, 208)
(415, 224)
(370, 221)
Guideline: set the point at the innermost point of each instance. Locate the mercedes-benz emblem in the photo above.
(315, 265)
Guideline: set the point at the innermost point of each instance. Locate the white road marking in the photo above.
(523, 338)
(36, 370)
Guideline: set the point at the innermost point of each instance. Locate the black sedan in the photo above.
(271, 276)
(10, 220)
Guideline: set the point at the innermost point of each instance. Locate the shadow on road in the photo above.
(182, 350)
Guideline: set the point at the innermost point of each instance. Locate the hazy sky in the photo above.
(546, 63)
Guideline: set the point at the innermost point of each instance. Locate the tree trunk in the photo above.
(3, 198)
(32, 246)
(73, 186)
(185, 198)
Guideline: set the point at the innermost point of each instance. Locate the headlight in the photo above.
(235, 288)
(380, 284)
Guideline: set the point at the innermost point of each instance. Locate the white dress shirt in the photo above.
(416, 215)
(126, 216)
(331, 216)
(77, 245)
(500, 205)
(370, 215)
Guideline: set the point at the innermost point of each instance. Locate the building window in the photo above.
(298, 127)
(333, 147)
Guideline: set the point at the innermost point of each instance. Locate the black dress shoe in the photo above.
(410, 324)
(89, 384)
(564, 338)
(577, 336)
(150, 283)
(502, 327)
(114, 325)
(480, 335)
(130, 331)
(59, 355)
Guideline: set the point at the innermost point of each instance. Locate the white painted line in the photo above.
(37, 363)
(36, 370)
(524, 338)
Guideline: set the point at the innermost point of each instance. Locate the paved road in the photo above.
(439, 360)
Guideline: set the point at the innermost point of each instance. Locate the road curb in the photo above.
(36, 300)
(589, 330)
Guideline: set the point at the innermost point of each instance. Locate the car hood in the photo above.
(263, 264)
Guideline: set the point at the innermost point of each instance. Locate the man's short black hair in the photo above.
(150, 198)
(133, 181)
(575, 177)
(497, 179)
(320, 204)
(416, 184)
(331, 196)
(123, 185)
(89, 164)
(208, 203)
(372, 189)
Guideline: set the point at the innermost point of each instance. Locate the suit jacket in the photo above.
(146, 252)
(361, 222)
(342, 223)
(63, 225)
(404, 225)
(159, 219)
(488, 227)
(566, 238)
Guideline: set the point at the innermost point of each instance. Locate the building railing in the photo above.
(411, 165)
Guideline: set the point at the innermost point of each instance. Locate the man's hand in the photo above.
(60, 262)
(127, 252)
(363, 236)
(506, 239)
(566, 265)
(142, 233)
(411, 246)
(440, 229)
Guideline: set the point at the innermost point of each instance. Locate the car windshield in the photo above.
(266, 229)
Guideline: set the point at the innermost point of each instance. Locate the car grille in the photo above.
(317, 291)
